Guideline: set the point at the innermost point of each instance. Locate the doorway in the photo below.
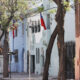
(69, 62)
(32, 63)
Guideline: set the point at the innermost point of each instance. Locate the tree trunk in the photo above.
(48, 54)
(60, 42)
(60, 31)
(61, 74)
(5, 66)
(6, 45)
(5, 56)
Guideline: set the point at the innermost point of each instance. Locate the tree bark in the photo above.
(5, 56)
(60, 42)
(5, 65)
(61, 74)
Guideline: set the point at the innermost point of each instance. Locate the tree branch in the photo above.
(48, 54)
(57, 1)
(2, 35)
(6, 25)
(9, 19)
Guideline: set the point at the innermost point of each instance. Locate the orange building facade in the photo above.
(77, 56)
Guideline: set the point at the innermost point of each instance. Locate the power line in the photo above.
(72, 6)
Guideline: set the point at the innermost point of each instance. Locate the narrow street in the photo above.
(24, 76)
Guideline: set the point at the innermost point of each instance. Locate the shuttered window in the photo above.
(23, 28)
(16, 55)
(37, 55)
(36, 27)
(16, 31)
(48, 21)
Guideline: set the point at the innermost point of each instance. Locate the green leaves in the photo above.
(11, 8)
(52, 11)
(67, 6)
(77, 0)
(66, 3)
(40, 9)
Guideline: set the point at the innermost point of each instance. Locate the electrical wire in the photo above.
(72, 6)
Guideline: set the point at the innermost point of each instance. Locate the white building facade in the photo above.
(39, 39)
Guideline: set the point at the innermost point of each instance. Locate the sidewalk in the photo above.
(24, 76)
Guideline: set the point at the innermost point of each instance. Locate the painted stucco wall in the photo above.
(20, 44)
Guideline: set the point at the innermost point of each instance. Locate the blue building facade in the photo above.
(18, 45)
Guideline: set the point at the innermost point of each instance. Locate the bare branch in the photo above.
(9, 20)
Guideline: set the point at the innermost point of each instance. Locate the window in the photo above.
(0, 63)
(16, 32)
(27, 29)
(35, 26)
(23, 28)
(48, 21)
(10, 57)
(38, 26)
(32, 27)
(16, 55)
(37, 55)
(42, 51)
